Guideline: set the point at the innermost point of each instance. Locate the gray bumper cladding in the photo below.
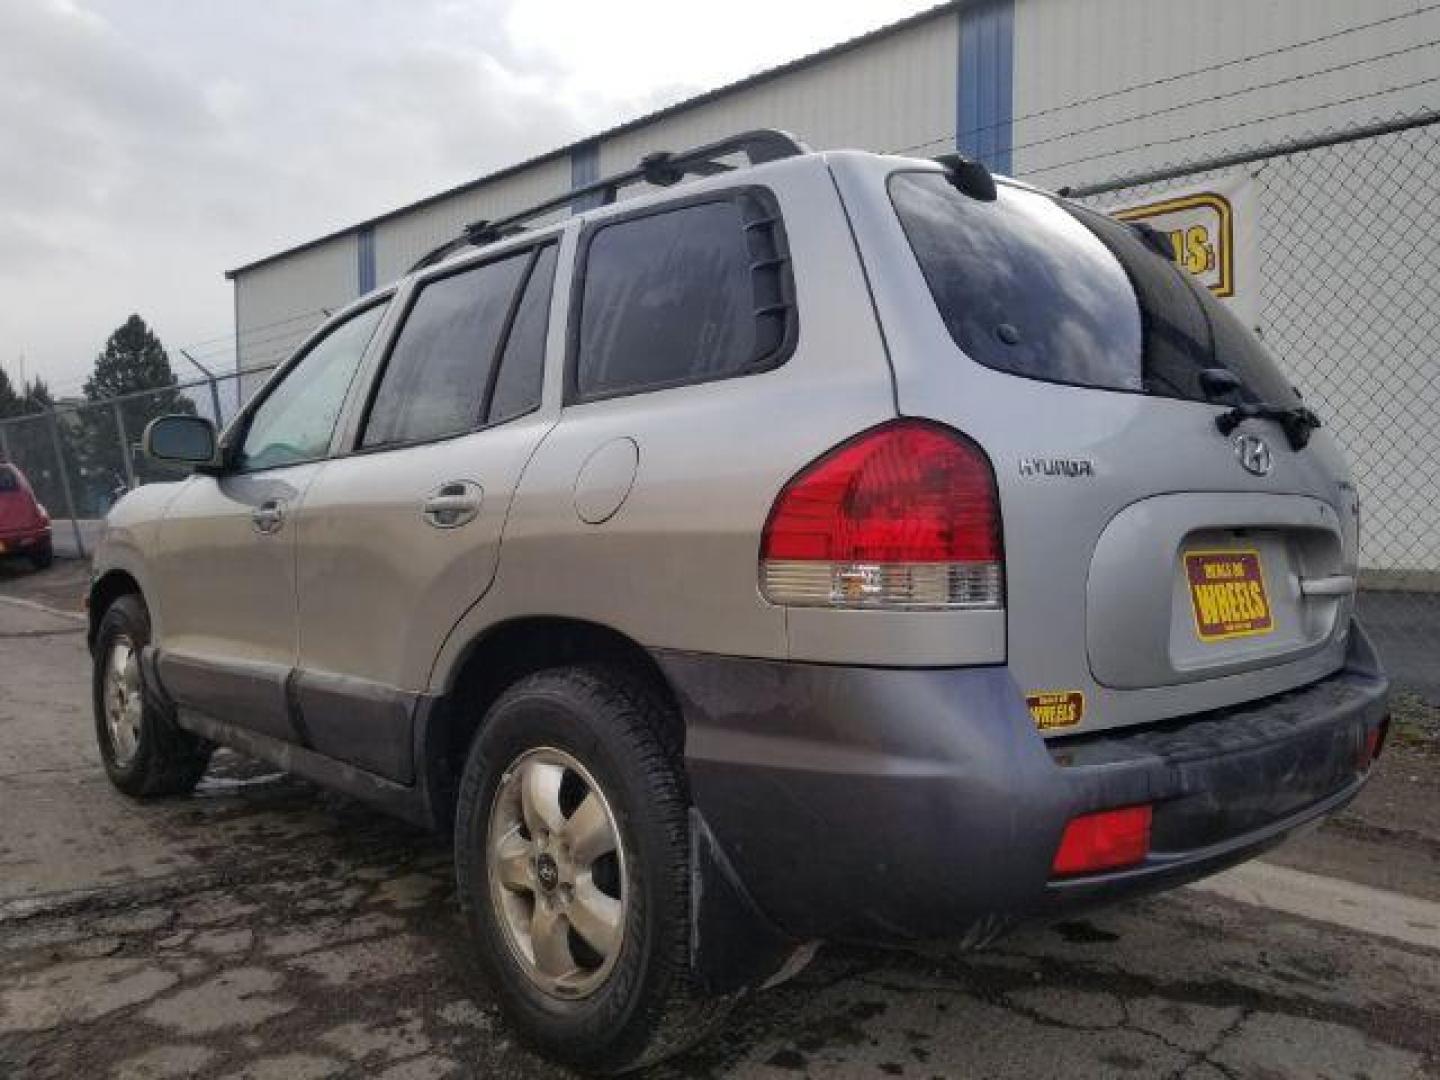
(909, 804)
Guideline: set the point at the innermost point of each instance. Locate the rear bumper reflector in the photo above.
(1104, 841)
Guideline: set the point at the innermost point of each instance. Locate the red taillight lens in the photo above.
(904, 515)
(1374, 743)
(1104, 841)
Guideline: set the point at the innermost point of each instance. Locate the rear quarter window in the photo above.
(686, 294)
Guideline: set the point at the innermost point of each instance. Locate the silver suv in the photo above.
(832, 546)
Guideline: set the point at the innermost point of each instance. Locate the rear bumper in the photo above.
(905, 805)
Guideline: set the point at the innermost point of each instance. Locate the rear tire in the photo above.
(590, 735)
(144, 752)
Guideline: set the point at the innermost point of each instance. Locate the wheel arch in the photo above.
(499, 657)
(104, 591)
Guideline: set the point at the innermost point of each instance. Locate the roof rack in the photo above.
(660, 169)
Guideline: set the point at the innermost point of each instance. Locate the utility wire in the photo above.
(1167, 79)
(255, 329)
(1235, 127)
(1223, 97)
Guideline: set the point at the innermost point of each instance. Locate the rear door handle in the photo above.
(269, 516)
(453, 504)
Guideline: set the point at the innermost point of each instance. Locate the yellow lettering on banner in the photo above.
(1203, 247)
(1199, 251)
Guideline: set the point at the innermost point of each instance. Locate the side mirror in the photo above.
(184, 440)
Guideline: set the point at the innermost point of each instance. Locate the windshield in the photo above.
(1042, 288)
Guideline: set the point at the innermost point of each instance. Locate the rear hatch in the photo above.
(1155, 565)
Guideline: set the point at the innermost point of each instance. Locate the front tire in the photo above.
(144, 752)
(572, 854)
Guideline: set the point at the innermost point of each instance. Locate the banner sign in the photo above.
(1211, 230)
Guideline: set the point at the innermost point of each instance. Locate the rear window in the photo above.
(8, 480)
(1036, 287)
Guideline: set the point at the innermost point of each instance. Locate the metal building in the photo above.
(1106, 97)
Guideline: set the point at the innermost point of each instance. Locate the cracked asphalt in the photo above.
(263, 928)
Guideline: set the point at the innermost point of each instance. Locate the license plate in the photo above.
(1227, 594)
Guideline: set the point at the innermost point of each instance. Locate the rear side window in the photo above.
(690, 294)
(440, 366)
(8, 480)
(1048, 290)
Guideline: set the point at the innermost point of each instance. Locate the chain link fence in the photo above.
(81, 456)
(1345, 243)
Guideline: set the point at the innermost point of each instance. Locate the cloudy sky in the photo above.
(147, 147)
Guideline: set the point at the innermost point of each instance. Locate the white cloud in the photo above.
(149, 147)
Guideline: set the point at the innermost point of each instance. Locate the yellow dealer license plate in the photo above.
(1227, 592)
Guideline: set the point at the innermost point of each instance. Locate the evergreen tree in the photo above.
(9, 399)
(132, 361)
(28, 443)
(36, 398)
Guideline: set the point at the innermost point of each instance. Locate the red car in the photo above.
(24, 523)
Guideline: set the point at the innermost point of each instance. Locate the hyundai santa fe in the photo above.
(829, 547)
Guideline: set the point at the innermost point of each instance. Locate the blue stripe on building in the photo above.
(365, 258)
(585, 169)
(987, 65)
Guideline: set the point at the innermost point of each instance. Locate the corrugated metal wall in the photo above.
(1347, 283)
(401, 240)
(277, 304)
(892, 93)
(1093, 51)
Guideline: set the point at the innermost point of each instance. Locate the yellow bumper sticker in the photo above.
(1056, 708)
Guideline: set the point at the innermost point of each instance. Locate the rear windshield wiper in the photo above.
(1296, 420)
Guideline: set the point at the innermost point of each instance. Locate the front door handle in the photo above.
(269, 516)
(451, 505)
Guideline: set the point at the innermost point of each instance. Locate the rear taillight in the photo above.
(1108, 840)
(1374, 744)
(903, 516)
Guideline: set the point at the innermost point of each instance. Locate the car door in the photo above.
(399, 537)
(225, 608)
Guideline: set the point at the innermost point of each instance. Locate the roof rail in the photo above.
(660, 169)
